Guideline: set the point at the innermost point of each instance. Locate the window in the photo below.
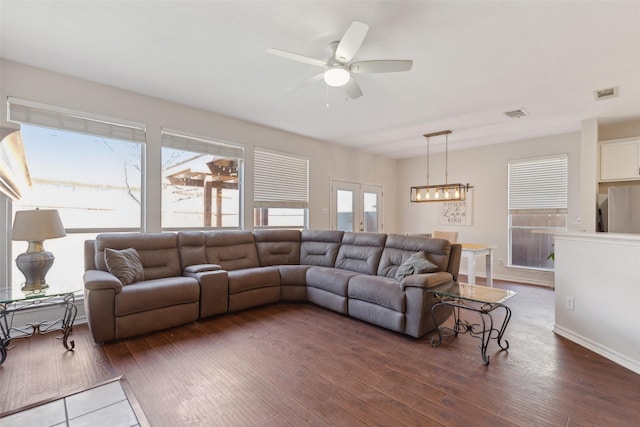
(537, 207)
(281, 190)
(200, 182)
(88, 168)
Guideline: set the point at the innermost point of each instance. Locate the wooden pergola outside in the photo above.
(221, 174)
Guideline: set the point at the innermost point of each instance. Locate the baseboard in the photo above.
(614, 356)
(515, 279)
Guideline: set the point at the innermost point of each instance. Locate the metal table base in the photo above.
(485, 330)
(8, 332)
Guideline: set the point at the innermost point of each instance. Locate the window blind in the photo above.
(539, 183)
(37, 114)
(280, 180)
(197, 144)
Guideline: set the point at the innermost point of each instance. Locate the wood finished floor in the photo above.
(298, 365)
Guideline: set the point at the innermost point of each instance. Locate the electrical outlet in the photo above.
(569, 303)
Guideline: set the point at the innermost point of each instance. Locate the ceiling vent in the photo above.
(611, 92)
(516, 114)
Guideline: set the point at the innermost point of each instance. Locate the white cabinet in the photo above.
(620, 160)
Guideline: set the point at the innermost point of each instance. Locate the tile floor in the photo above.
(105, 405)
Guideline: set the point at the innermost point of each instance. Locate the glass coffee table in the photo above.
(14, 300)
(480, 299)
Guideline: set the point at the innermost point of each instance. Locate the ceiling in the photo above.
(472, 61)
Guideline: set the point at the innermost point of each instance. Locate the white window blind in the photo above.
(539, 183)
(37, 114)
(197, 144)
(280, 180)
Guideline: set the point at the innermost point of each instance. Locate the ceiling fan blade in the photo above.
(296, 57)
(351, 41)
(380, 66)
(352, 89)
(306, 82)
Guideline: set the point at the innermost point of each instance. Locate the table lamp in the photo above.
(35, 226)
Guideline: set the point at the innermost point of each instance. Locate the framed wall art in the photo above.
(459, 212)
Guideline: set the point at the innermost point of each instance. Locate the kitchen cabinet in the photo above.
(620, 160)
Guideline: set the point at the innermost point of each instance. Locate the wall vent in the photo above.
(610, 92)
(516, 114)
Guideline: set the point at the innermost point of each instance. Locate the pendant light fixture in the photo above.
(439, 193)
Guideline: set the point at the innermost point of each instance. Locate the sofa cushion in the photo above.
(253, 278)
(378, 290)
(278, 247)
(415, 264)
(320, 247)
(158, 252)
(231, 250)
(156, 293)
(125, 264)
(329, 279)
(192, 248)
(360, 252)
(398, 248)
(293, 275)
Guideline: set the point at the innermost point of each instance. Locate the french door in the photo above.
(356, 207)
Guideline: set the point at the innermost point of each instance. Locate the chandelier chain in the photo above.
(427, 160)
(446, 159)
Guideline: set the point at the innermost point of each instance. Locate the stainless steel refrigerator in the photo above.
(623, 214)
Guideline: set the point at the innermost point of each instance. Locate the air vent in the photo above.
(607, 93)
(516, 114)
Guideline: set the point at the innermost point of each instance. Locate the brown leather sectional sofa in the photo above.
(191, 275)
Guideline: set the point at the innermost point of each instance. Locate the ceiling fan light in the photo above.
(336, 76)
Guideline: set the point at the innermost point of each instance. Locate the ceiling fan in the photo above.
(338, 69)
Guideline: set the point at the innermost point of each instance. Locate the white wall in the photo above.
(485, 168)
(327, 161)
(599, 271)
(619, 129)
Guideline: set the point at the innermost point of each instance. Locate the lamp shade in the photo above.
(37, 225)
(336, 76)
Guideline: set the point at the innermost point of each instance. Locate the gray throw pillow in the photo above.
(125, 264)
(415, 264)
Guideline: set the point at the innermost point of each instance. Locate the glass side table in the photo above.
(480, 299)
(14, 300)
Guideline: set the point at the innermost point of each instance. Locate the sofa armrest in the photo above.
(200, 268)
(100, 289)
(426, 280)
(214, 291)
(97, 280)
